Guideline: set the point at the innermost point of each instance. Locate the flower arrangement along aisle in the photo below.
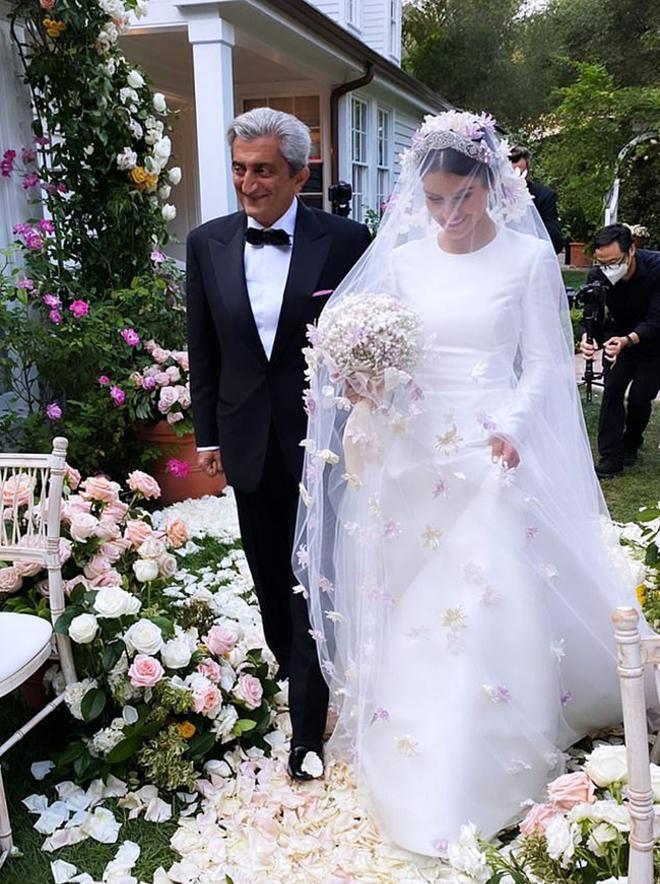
(170, 672)
(579, 834)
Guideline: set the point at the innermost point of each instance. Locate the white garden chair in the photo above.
(30, 502)
(635, 653)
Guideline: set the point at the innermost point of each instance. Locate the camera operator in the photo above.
(545, 199)
(630, 337)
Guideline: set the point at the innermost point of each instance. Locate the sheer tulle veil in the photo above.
(386, 444)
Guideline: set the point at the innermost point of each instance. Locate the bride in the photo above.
(451, 530)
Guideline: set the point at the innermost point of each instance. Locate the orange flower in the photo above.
(641, 594)
(47, 4)
(143, 179)
(53, 27)
(187, 730)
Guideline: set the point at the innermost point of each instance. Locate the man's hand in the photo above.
(502, 449)
(210, 462)
(588, 350)
(613, 346)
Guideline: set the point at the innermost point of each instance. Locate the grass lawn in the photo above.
(574, 278)
(638, 486)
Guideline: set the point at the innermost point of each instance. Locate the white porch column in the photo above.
(212, 40)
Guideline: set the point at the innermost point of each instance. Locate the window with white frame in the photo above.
(384, 166)
(359, 156)
(393, 26)
(353, 10)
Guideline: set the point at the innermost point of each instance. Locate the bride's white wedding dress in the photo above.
(472, 626)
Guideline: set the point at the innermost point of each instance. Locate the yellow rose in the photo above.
(142, 179)
(641, 594)
(53, 27)
(187, 730)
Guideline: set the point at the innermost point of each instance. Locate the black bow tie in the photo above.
(268, 237)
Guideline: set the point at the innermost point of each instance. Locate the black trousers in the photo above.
(619, 426)
(267, 519)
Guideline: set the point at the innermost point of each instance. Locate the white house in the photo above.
(333, 63)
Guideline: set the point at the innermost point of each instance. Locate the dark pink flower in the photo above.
(79, 308)
(41, 141)
(149, 383)
(21, 229)
(25, 284)
(62, 188)
(51, 300)
(178, 468)
(55, 317)
(30, 180)
(28, 154)
(53, 411)
(157, 256)
(7, 163)
(48, 187)
(45, 225)
(104, 380)
(33, 241)
(117, 395)
(131, 337)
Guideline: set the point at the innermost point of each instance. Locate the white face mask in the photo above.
(614, 274)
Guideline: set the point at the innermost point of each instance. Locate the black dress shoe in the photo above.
(296, 758)
(629, 457)
(607, 467)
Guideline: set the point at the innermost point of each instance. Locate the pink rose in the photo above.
(174, 417)
(144, 484)
(115, 511)
(145, 671)
(174, 373)
(571, 789)
(537, 819)
(17, 489)
(75, 581)
(83, 526)
(108, 530)
(10, 580)
(108, 578)
(27, 569)
(211, 670)
(136, 532)
(71, 476)
(207, 698)
(161, 378)
(160, 355)
(183, 395)
(75, 504)
(176, 532)
(113, 550)
(100, 488)
(249, 690)
(66, 548)
(166, 399)
(150, 345)
(181, 357)
(96, 566)
(220, 640)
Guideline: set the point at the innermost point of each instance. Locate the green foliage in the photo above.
(163, 764)
(640, 189)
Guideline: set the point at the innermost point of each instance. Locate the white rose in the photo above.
(83, 526)
(135, 79)
(224, 722)
(83, 629)
(112, 601)
(174, 175)
(168, 212)
(153, 548)
(167, 565)
(164, 191)
(176, 654)
(145, 570)
(609, 811)
(126, 94)
(162, 150)
(600, 837)
(607, 764)
(159, 103)
(140, 8)
(127, 159)
(561, 838)
(144, 637)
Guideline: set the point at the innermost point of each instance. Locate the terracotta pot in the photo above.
(33, 690)
(578, 257)
(195, 483)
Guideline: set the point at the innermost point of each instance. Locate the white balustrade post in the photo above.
(640, 794)
(212, 41)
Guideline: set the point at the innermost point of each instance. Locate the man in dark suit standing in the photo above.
(255, 279)
(545, 199)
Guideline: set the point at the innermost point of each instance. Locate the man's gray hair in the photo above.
(264, 122)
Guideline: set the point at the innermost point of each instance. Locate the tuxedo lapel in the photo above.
(311, 244)
(227, 256)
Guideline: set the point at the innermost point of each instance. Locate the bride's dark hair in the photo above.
(456, 163)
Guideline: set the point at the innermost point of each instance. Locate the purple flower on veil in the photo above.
(380, 714)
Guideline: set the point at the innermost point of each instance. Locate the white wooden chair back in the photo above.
(31, 499)
(635, 653)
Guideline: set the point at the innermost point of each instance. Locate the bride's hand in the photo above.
(502, 449)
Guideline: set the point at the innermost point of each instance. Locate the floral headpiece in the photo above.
(474, 135)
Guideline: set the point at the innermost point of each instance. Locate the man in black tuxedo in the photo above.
(255, 279)
(545, 199)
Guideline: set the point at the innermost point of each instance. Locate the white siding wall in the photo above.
(405, 124)
(374, 24)
(331, 8)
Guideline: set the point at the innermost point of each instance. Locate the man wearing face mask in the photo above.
(630, 338)
(545, 199)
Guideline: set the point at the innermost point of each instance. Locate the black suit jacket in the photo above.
(237, 393)
(545, 200)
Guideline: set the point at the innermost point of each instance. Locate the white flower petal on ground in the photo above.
(102, 826)
(41, 769)
(36, 803)
(62, 871)
(312, 765)
(158, 811)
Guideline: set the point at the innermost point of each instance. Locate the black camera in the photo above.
(592, 297)
(340, 196)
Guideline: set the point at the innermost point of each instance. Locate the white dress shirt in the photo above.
(266, 272)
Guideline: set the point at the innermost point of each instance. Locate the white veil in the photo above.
(371, 468)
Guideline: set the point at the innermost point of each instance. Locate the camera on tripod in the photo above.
(592, 298)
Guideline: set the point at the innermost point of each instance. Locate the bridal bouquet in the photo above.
(370, 340)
